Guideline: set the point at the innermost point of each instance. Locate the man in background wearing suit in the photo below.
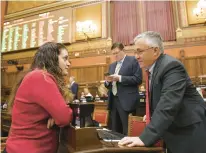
(74, 87)
(178, 113)
(122, 83)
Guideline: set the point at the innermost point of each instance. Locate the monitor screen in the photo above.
(33, 31)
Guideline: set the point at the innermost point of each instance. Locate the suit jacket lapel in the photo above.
(114, 67)
(158, 63)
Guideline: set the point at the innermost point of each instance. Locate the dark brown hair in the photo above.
(117, 45)
(46, 58)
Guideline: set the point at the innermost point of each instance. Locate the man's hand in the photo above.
(116, 78)
(50, 123)
(109, 78)
(131, 142)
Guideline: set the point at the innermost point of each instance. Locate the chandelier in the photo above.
(200, 10)
(86, 28)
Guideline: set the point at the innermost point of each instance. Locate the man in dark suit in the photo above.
(125, 76)
(74, 87)
(178, 113)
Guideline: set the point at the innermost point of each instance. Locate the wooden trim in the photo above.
(38, 10)
(107, 50)
(176, 14)
(89, 84)
(183, 14)
(171, 45)
(104, 19)
(195, 57)
(86, 3)
(103, 51)
(109, 19)
(88, 66)
(49, 7)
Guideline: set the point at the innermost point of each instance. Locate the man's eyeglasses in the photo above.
(141, 51)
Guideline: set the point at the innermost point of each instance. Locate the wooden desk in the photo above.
(85, 140)
(101, 105)
(113, 149)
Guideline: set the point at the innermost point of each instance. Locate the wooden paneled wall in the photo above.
(89, 76)
(8, 80)
(196, 68)
(92, 73)
(13, 6)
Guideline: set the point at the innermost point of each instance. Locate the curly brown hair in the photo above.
(46, 58)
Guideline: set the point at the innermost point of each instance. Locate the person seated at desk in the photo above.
(103, 92)
(82, 98)
(39, 101)
(82, 95)
(86, 96)
(87, 93)
(74, 87)
(4, 105)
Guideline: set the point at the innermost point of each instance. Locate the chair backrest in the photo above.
(136, 125)
(101, 116)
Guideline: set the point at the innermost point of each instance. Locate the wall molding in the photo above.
(106, 51)
(49, 7)
(86, 3)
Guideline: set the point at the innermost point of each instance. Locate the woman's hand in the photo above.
(50, 123)
(144, 118)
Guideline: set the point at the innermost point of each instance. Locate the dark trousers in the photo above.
(193, 141)
(119, 117)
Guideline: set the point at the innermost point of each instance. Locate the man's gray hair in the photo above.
(153, 39)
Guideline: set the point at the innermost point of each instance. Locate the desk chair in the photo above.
(135, 125)
(101, 116)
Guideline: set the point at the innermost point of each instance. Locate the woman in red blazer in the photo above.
(39, 101)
